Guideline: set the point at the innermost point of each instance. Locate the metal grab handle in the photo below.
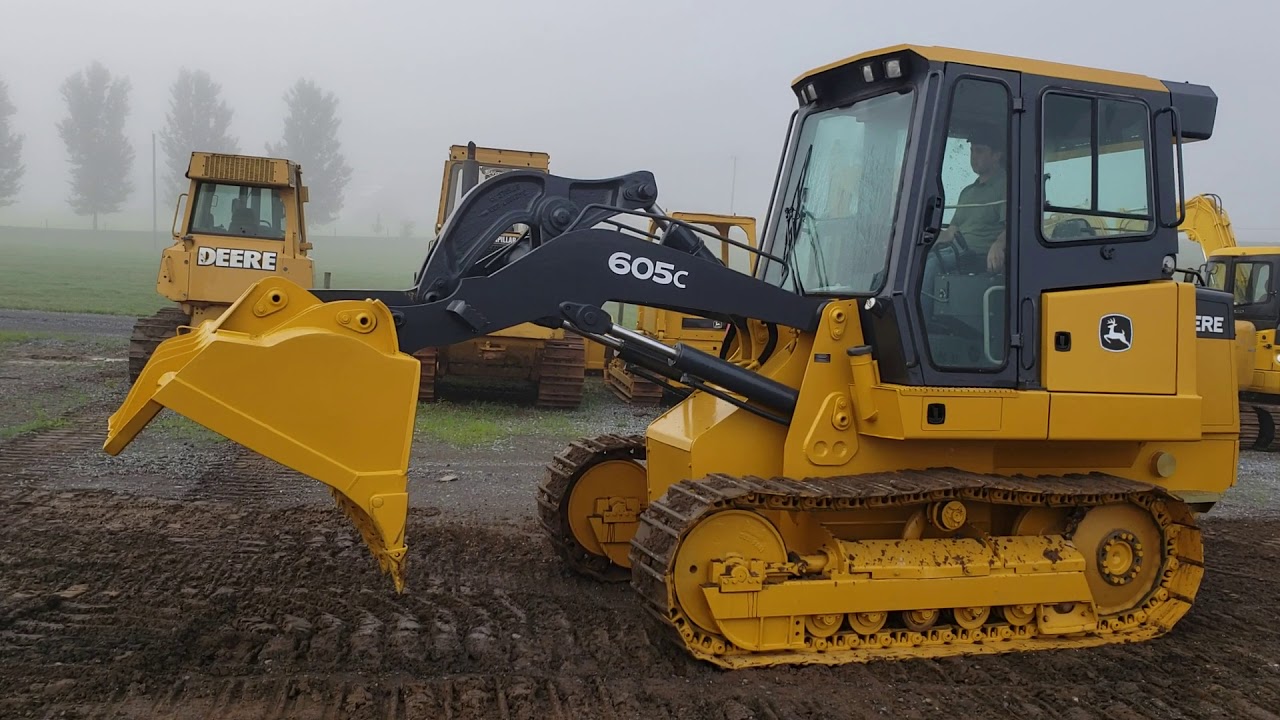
(986, 322)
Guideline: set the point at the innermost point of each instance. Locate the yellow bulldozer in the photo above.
(943, 427)
(553, 361)
(241, 219)
(632, 384)
(1249, 273)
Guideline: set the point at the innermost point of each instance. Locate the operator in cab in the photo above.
(979, 219)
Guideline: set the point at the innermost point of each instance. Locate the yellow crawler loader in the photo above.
(635, 385)
(244, 221)
(553, 361)
(945, 426)
(1249, 273)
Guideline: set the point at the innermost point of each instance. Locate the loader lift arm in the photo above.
(468, 286)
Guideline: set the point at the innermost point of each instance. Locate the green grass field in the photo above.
(114, 272)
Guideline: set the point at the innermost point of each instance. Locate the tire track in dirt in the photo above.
(119, 607)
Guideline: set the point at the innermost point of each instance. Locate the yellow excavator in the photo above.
(1249, 273)
(633, 384)
(943, 427)
(244, 220)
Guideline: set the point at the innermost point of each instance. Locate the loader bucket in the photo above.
(318, 387)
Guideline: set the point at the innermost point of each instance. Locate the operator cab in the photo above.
(953, 189)
(1250, 276)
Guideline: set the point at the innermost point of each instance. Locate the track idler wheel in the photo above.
(590, 502)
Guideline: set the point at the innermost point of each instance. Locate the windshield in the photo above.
(841, 197)
(238, 210)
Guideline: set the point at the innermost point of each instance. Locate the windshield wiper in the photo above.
(794, 214)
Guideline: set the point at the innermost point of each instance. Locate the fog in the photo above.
(687, 90)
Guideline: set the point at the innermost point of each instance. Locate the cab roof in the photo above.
(999, 62)
(1197, 105)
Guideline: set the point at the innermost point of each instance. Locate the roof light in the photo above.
(893, 68)
(867, 74)
(808, 93)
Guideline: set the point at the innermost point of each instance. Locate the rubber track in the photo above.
(668, 518)
(561, 373)
(553, 493)
(148, 333)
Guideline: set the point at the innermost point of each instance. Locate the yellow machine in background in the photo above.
(1249, 273)
(555, 363)
(244, 221)
(671, 327)
(940, 435)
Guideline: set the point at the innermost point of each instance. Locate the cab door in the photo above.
(964, 284)
(1096, 228)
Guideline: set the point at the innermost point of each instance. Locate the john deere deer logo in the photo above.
(1115, 332)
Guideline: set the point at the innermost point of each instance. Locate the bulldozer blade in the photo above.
(321, 388)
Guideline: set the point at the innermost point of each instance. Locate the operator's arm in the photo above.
(995, 256)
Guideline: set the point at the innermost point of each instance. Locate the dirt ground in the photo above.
(188, 578)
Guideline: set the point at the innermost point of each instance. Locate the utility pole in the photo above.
(154, 230)
(733, 183)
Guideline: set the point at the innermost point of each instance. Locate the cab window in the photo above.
(1252, 283)
(1096, 161)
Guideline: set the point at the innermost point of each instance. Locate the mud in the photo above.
(199, 581)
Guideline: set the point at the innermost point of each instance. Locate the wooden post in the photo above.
(326, 280)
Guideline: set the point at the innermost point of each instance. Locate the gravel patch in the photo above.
(1257, 490)
(60, 322)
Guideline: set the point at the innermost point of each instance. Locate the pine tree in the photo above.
(11, 168)
(93, 131)
(198, 120)
(311, 139)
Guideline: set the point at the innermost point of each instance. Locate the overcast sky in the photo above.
(677, 88)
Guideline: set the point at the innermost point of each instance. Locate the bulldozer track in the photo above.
(427, 382)
(148, 333)
(634, 389)
(668, 519)
(1258, 424)
(562, 372)
(553, 496)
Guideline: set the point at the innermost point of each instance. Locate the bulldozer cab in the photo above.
(242, 219)
(954, 210)
(469, 165)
